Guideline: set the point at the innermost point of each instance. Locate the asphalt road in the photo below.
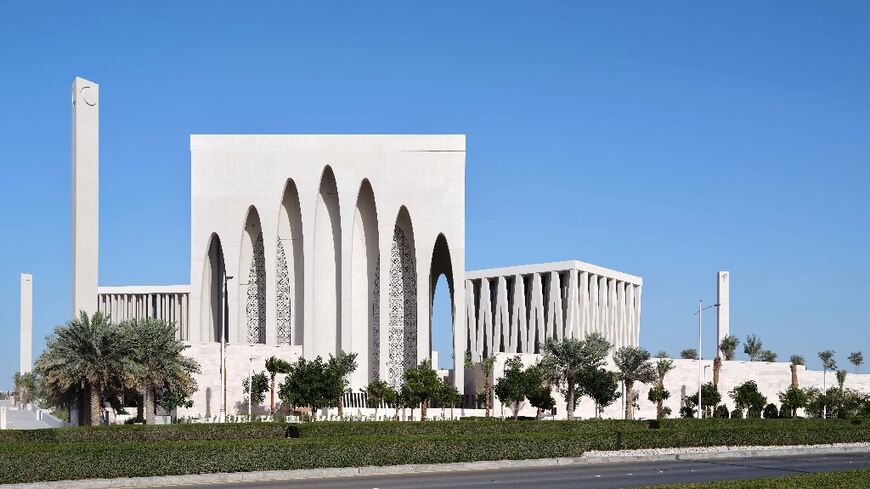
(631, 474)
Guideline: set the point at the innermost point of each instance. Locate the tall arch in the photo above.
(365, 290)
(442, 265)
(213, 308)
(402, 300)
(289, 269)
(252, 281)
(327, 268)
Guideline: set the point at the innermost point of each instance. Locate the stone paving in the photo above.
(21, 419)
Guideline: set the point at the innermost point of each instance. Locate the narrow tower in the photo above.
(26, 351)
(85, 194)
(723, 301)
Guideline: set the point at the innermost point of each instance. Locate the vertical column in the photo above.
(85, 194)
(722, 299)
(26, 352)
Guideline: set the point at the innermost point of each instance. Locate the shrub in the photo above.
(721, 411)
(770, 411)
(737, 414)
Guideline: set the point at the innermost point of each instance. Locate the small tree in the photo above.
(487, 365)
(634, 366)
(747, 396)
(513, 387)
(728, 346)
(25, 387)
(795, 361)
(309, 383)
(658, 393)
(753, 347)
(602, 386)
(721, 411)
(376, 393)
(261, 385)
(767, 356)
(857, 359)
(339, 367)
(793, 398)
(662, 354)
(710, 398)
(421, 385)
(841, 378)
(770, 411)
(566, 363)
(540, 394)
(828, 363)
(689, 354)
(275, 366)
(450, 396)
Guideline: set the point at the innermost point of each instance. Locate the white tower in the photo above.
(26, 351)
(722, 281)
(85, 194)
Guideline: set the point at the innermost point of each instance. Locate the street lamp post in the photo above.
(250, 386)
(224, 313)
(701, 309)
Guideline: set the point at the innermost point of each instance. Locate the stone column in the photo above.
(722, 281)
(26, 351)
(85, 194)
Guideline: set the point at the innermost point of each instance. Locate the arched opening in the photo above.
(402, 300)
(442, 306)
(326, 324)
(252, 281)
(289, 270)
(365, 314)
(214, 308)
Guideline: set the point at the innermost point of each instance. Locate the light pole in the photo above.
(250, 386)
(224, 313)
(701, 309)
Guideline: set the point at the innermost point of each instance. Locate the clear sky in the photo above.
(667, 140)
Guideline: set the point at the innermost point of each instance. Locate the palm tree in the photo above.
(84, 359)
(275, 366)
(565, 362)
(857, 359)
(795, 361)
(753, 348)
(659, 393)
(159, 361)
(634, 366)
(828, 363)
(689, 354)
(728, 346)
(487, 365)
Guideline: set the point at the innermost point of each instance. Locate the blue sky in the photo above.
(665, 139)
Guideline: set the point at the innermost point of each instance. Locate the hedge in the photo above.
(42, 461)
(134, 433)
(849, 479)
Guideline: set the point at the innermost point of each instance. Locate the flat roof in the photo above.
(145, 289)
(556, 266)
(329, 142)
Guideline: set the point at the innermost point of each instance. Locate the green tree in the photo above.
(689, 354)
(275, 366)
(828, 363)
(487, 365)
(513, 387)
(449, 396)
(83, 359)
(634, 366)
(310, 384)
(602, 386)
(857, 359)
(26, 387)
(753, 347)
(710, 398)
(340, 367)
(540, 393)
(747, 396)
(565, 363)
(421, 385)
(261, 385)
(728, 345)
(767, 356)
(793, 398)
(797, 360)
(377, 393)
(159, 362)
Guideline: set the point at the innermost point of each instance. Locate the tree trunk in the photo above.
(94, 398)
(423, 406)
(486, 395)
(794, 377)
(660, 409)
(140, 405)
(629, 400)
(569, 402)
(717, 366)
(516, 410)
(341, 406)
(396, 416)
(150, 397)
(272, 396)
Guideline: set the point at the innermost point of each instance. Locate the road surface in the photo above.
(629, 474)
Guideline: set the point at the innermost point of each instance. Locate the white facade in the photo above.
(85, 194)
(516, 309)
(332, 242)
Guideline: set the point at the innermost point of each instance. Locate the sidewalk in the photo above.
(22, 419)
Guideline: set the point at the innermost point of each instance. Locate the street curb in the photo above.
(290, 475)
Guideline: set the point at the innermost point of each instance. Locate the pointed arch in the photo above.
(442, 265)
(326, 323)
(252, 281)
(365, 291)
(213, 309)
(289, 269)
(402, 299)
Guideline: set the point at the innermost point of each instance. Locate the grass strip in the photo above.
(851, 479)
